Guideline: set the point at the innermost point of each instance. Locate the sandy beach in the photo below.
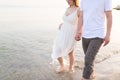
(25, 55)
(26, 47)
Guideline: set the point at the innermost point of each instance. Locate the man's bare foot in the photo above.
(86, 79)
(92, 76)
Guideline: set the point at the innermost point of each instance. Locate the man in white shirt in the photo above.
(91, 28)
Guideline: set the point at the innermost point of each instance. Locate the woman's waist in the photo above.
(70, 24)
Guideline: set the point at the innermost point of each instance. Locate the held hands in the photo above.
(78, 36)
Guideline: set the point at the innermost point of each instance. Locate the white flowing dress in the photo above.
(65, 39)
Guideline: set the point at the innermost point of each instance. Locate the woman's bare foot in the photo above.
(71, 70)
(60, 69)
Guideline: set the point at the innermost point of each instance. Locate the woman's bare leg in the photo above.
(71, 61)
(62, 67)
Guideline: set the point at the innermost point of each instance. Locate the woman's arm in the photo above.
(80, 22)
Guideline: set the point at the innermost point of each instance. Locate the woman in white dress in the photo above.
(65, 41)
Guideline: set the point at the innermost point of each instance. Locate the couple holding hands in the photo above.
(83, 22)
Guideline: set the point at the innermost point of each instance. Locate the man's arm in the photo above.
(109, 27)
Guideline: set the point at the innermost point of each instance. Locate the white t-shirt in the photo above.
(94, 17)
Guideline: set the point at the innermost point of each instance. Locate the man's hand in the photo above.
(78, 36)
(106, 40)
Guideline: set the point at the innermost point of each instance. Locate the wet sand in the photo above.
(26, 39)
(25, 55)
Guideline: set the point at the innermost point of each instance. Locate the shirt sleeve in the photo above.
(108, 5)
(81, 5)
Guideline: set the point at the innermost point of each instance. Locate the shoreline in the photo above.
(26, 56)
